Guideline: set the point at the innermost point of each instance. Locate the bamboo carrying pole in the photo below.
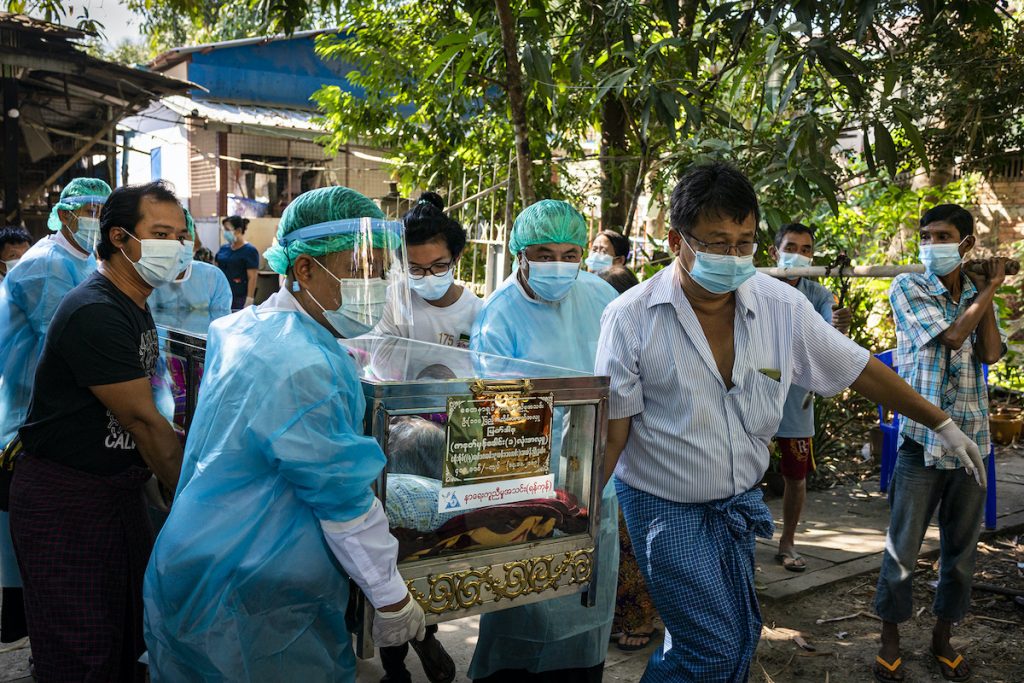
(1012, 268)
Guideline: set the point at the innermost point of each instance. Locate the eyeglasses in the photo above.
(437, 269)
(724, 248)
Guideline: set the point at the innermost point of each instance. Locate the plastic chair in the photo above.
(890, 442)
(890, 430)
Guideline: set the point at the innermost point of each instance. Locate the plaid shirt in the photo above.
(951, 379)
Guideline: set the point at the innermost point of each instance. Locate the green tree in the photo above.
(187, 22)
(783, 89)
(127, 52)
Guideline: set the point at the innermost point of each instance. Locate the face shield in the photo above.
(366, 256)
(85, 222)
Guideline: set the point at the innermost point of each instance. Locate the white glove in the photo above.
(963, 448)
(248, 301)
(391, 629)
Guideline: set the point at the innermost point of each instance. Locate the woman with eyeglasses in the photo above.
(442, 312)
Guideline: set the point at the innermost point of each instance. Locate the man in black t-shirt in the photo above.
(92, 438)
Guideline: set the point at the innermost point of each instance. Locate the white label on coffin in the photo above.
(472, 496)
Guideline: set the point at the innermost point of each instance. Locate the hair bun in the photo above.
(432, 198)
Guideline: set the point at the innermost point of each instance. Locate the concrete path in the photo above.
(843, 532)
(843, 536)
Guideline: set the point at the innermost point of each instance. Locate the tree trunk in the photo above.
(516, 100)
(617, 175)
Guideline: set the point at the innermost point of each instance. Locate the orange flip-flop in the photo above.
(945, 665)
(891, 668)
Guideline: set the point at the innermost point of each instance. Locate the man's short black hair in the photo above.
(14, 234)
(619, 277)
(798, 228)
(714, 190)
(954, 214)
(121, 210)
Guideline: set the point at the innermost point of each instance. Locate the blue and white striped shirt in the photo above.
(951, 379)
(692, 440)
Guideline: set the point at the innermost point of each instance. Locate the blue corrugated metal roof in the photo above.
(275, 71)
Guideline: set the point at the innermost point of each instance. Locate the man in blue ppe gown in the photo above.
(198, 287)
(28, 298)
(274, 510)
(549, 311)
(50, 269)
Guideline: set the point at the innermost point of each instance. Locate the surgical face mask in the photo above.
(10, 264)
(362, 304)
(941, 259)
(432, 287)
(598, 262)
(719, 273)
(184, 262)
(552, 280)
(791, 260)
(229, 236)
(185, 250)
(88, 233)
(158, 264)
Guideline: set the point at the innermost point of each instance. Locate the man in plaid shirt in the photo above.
(946, 328)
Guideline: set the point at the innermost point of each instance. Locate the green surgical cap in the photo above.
(190, 224)
(76, 194)
(325, 205)
(548, 222)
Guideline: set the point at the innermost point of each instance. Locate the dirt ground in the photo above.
(991, 638)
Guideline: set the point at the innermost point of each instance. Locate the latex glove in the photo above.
(964, 449)
(248, 301)
(391, 629)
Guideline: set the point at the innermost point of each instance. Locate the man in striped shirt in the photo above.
(794, 248)
(701, 357)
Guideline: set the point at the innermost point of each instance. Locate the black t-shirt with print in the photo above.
(97, 336)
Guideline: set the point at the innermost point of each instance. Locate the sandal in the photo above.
(895, 670)
(436, 661)
(791, 561)
(633, 634)
(948, 668)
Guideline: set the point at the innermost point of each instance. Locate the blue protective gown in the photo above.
(558, 633)
(206, 289)
(241, 585)
(29, 295)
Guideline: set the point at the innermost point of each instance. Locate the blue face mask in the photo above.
(719, 273)
(432, 287)
(229, 237)
(789, 260)
(552, 280)
(598, 262)
(941, 259)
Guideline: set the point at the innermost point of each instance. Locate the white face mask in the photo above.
(158, 264)
(185, 258)
(88, 233)
(362, 304)
(432, 287)
(10, 264)
(791, 260)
